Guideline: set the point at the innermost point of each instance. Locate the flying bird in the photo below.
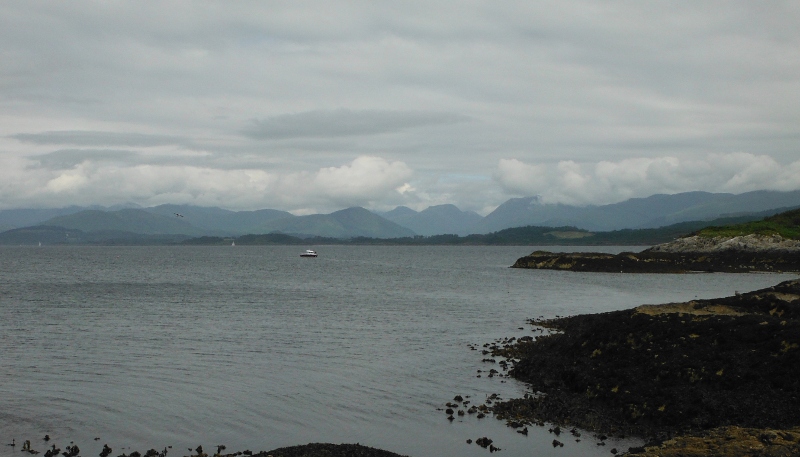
(178, 215)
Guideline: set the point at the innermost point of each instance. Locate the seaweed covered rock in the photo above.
(727, 441)
(656, 371)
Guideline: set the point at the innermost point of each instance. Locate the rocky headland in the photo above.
(657, 260)
(707, 377)
(769, 245)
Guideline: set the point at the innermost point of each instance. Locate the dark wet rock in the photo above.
(106, 451)
(71, 451)
(458, 398)
(327, 450)
(469, 441)
(483, 442)
(557, 443)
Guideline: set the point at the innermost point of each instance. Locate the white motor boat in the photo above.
(309, 253)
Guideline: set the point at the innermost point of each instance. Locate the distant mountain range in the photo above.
(176, 222)
(650, 212)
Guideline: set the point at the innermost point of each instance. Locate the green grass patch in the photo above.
(785, 224)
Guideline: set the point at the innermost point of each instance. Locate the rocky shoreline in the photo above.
(664, 262)
(707, 377)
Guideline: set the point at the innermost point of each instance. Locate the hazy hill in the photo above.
(399, 213)
(25, 217)
(435, 220)
(750, 202)
(347, 223)
(126, 220)
(649, 212)
(49, 235)
(212, 219)
(41, 234)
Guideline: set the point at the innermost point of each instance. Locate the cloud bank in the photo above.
(107, 178)
(605, 182)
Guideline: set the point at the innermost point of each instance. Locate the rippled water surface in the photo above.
(257, 348)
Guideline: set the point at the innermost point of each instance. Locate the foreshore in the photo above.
(707, 377)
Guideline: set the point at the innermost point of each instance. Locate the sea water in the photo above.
(257, 348)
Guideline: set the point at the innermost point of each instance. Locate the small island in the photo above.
(769, 245)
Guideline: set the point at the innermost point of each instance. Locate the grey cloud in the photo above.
(68, 158)
(539, 82)
(95, 138)
(65, 159)
(343, 123)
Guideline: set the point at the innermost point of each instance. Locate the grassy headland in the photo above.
(785, 224)
(771, 244)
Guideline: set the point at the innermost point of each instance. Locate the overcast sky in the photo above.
(314, 106)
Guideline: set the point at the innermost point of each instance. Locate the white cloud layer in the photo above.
(604, 182)
(363, 182)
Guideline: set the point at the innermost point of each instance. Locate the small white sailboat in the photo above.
(233, 243)
(309, 253)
